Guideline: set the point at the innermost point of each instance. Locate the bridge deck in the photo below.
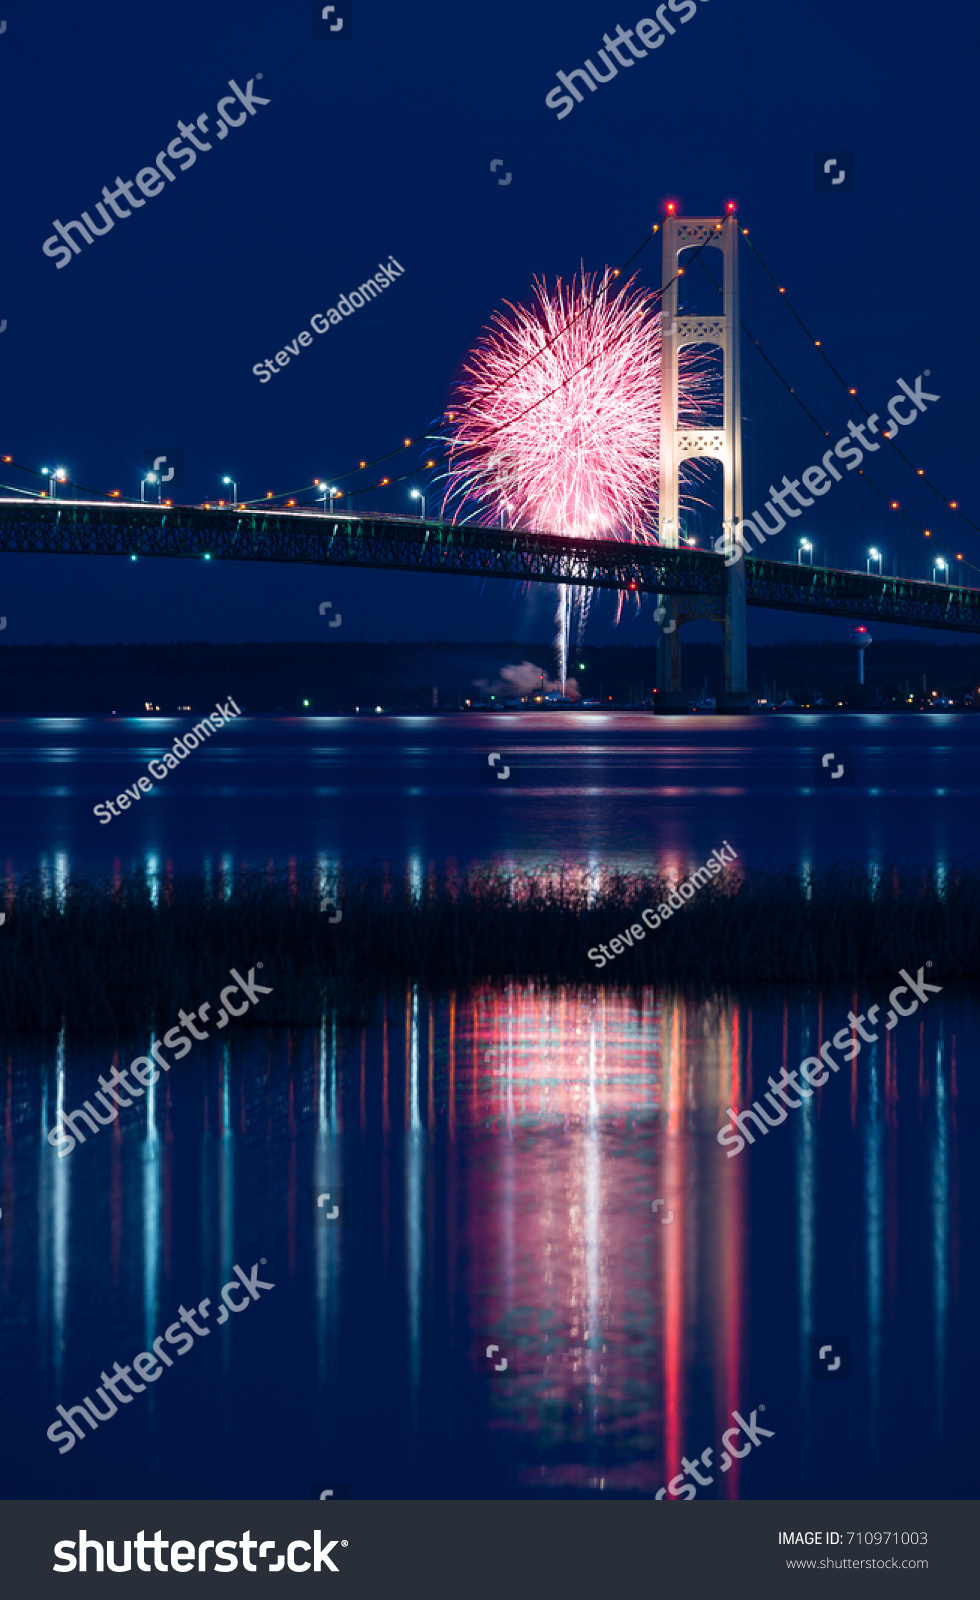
(415, 544)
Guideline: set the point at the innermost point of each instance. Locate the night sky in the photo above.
(380, 147)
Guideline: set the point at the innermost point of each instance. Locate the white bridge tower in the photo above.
(722, 444)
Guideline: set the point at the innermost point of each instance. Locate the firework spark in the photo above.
(556, 424)
(557, 421)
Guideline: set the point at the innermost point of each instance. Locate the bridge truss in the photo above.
(416, 544)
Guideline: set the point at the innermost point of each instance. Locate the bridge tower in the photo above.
(724, 444)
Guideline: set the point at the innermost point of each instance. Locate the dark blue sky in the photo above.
(381, 147)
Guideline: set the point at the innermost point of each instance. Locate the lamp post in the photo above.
(234, 489)
(54, 476)
(873, 555)
(941, 565)
(804, 545)
(151, 477)
(419, 494)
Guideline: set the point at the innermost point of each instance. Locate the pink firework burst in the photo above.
(557, 421)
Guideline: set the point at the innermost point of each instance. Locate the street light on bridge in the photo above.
(941, 565)
(151, 477)
(804, 545)
(419, 494)
(325, 493)
(873, 555)
(234, 488)
(54, 475)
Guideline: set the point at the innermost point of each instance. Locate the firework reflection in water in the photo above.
(557, 421)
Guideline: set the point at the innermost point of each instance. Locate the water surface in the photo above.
(618, 788)
(499, 1153)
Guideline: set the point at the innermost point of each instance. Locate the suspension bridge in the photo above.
(692, 584)
(696, 579)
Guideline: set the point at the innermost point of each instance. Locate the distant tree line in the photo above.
(328, 678)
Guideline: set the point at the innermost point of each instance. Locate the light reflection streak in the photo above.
(875, 1235)
(54, 1194)
(732, 1196)
(328, 880)
(152, 1154)
(328, 1174)
(526, 1183)
(940, 1236)
(60, 879)
(674, 1250)
(414, 1147)
(226, 1180)
(153, 878)
(806, 1237)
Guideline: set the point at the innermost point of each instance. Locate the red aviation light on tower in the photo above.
(732, 205)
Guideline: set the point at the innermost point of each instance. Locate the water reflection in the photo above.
(500, 1151)
(585, 786)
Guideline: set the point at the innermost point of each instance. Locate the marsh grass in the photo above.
(103, 955)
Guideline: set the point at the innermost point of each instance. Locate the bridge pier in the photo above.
(670, 700)
(675, 610)
(734, 698)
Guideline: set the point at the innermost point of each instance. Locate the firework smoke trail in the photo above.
(556, 423)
